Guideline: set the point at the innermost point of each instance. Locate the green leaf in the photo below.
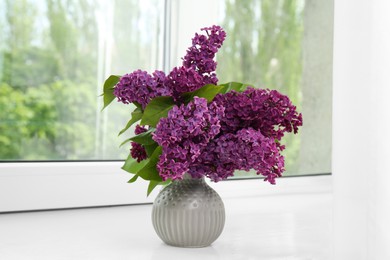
(135, 177)
(149, 171)
(239, 87)
(138, 105)
(108, 90)
(144, 138)
(150, 148)
(156, 109)
(125, 142)
(135, 116)
(152, 185)
(127, 165)
(208, 92)
(132, 166)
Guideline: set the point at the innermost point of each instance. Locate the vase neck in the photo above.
(188, 176)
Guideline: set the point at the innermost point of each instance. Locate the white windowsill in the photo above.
(289, 221)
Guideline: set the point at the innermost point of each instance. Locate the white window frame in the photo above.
(60, 185)
(49, 185)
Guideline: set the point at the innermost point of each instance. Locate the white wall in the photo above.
(361, 127)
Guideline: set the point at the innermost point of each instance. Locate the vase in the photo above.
(188, 213)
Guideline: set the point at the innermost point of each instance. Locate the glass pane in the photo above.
(54, 56)
(284, 45)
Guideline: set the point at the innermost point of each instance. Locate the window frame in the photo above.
(48, 185)
(31, 186)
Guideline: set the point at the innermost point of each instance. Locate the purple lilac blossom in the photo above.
(261, 109)
(198, 64)
(182, 80)
(162, 89)
(184, 134)
(245, 150)
(140, 129)
(137, 151)
(200, 56)
(198, 70)
(140, 87)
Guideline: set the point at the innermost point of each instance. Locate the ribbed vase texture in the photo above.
(188, 213)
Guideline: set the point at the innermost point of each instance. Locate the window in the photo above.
(53, 60)
(54, 56)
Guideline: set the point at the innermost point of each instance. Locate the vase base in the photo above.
(198, 246)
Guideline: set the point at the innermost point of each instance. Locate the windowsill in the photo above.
(291, 220)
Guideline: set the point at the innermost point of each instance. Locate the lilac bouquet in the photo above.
(191, 124)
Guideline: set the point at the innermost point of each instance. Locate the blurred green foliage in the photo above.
(48, 77)
(264, 48)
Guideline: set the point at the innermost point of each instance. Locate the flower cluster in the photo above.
(197, 70)
(182, 80)
(242, 139)
(261, 109)
(184, 134)
(200, 56)
(245, 150)
(140, 87)
(137, 151)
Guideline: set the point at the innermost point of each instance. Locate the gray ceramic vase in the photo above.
(188, 213)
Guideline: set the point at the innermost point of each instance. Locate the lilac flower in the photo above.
(261, 109)
(202, 52)
(161, 89)
(184, 134)
(245, 150)
(140, 129)
(138, 152)
(135, 87)
(198, 64)
(182, 80)
(140, 87)
(197, 70)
